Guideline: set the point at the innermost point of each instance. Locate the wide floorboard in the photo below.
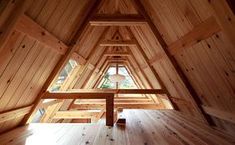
(143, 127)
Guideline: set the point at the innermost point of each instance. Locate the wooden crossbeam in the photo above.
(12, 114)
(202, 31)
(228, 116)
(28, 26)
(117, 43)
(117, 20)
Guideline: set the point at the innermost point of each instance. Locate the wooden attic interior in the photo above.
(55, 56)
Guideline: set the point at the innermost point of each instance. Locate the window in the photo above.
(64, 74)
(128, 83)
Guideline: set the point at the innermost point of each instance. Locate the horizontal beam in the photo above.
(124, 106)
(202, 31)
(117, 43)
(12, 114)
(123, 91)
(78, 95)
(117, 20)
(29, 27)
(220, 114)
(81, 114)
(78, 58)
(116, 100)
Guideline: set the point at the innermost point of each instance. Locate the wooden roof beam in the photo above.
(117, 20)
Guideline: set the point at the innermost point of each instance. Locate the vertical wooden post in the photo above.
(109, 110)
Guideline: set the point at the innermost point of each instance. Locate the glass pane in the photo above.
(64, 74)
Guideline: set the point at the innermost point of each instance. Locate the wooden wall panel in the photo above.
(208, 64)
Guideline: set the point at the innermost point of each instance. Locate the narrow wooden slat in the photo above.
(202, 31)
(5, 116)
(220, 114)
(26, 25)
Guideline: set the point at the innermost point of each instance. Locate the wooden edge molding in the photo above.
(29, 27)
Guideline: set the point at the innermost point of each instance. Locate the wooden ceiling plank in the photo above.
(29, 27)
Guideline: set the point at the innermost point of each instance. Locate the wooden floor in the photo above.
(143, 127)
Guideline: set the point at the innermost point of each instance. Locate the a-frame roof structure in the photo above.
(183, 52)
